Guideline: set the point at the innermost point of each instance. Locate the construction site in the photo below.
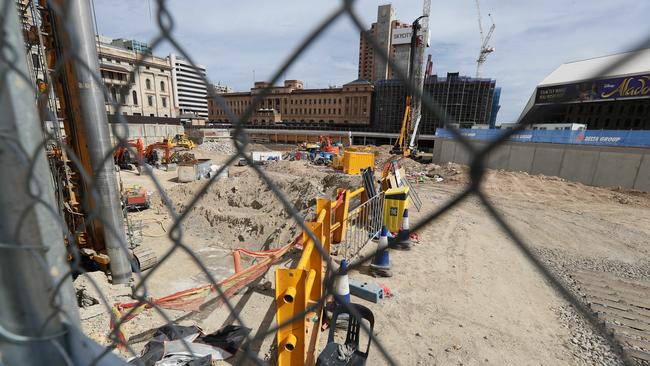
(463, 293)
(120, 249)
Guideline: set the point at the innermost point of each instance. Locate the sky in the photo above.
(239, 41)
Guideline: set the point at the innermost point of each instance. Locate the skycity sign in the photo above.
(403, 36)
(637, 86)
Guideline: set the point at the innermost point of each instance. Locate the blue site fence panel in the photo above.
(588, 137)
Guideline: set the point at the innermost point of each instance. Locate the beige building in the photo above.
(149, 93)
(393, 38)
(348, 105)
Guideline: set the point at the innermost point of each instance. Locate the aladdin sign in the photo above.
(616, 88)
(634, 86)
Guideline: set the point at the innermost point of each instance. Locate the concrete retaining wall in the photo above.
(602, 166)
(149, 133)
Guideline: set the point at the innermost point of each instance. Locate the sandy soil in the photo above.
(465, 295)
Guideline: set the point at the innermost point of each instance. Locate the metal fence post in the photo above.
(34, 313)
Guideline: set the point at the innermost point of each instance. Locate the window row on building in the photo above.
(349, 104)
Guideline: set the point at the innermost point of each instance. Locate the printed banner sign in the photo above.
(595, 137)
(637, 86)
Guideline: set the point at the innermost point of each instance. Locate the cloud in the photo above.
(532, 38)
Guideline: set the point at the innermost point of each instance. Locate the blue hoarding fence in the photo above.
(593, 137)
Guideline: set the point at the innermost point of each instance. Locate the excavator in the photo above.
(327, 147)
(151, 154)
(171, 153)
(123, 155)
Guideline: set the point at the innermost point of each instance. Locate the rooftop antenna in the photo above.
(485, 48)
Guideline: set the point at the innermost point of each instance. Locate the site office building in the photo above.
(350, 104)
(150, 91)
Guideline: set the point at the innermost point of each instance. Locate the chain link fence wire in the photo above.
(32, 244)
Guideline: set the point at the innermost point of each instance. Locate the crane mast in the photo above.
(485, 49)
(417, 72)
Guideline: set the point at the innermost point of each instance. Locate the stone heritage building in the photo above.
(350, 104)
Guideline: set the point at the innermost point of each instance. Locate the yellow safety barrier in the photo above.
(300, 288)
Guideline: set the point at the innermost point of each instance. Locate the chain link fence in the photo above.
(39, 321)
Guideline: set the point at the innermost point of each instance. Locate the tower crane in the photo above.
(485, 48)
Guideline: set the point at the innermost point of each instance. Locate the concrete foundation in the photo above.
(149, 133)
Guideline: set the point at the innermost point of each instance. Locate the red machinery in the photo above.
(123, 157)
(326, 145)
(151, 154)
(136, 198)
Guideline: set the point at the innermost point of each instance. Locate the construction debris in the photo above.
(366, 290)
(175, 345)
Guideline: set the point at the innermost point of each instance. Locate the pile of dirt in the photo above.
(450, 172)
(224, 146)
(242, 211)
(383, 155)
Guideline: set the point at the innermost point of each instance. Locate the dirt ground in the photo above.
(464, 295)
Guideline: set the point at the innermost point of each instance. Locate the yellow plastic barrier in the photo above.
(297, 289)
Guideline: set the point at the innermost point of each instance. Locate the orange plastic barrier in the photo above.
(192, 299)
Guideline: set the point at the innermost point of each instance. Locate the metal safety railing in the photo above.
(363, 224)
(413, 194)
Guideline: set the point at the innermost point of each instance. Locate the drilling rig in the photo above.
(81, 161)
(406, 143)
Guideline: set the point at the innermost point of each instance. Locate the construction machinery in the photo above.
(326, 145)
(167, 152)
(182, 140)
(86, 185)
(152, 153)
(126, 158)
(135, 198)
(485, 49)
(406, 143)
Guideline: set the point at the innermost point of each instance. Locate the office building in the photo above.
(467, 101)
(190, 91)
(616, 100)
(349, 104)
